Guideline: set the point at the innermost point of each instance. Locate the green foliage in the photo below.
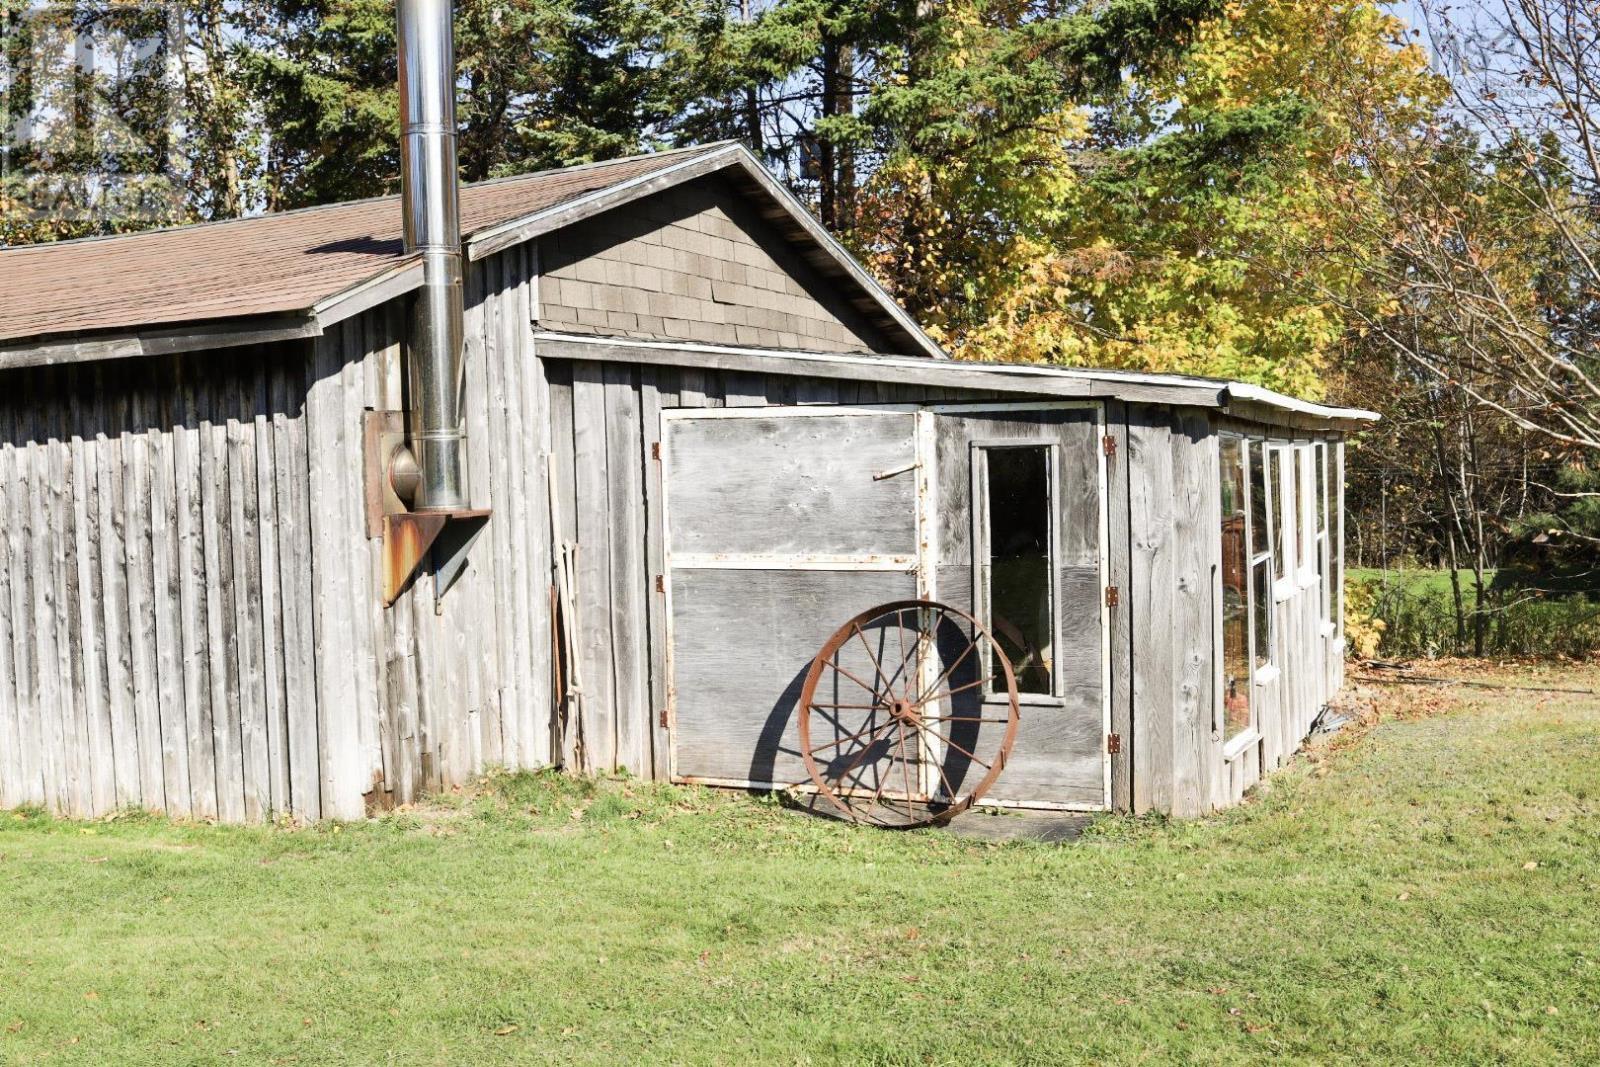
(1384, 890)
(1197, 237)
(1563, 541)
(1417, 613)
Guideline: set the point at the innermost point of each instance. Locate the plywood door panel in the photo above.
(819, 485)
(780, 528)
(743, 641)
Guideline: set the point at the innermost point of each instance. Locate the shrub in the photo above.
(1363, 630)
(1418, 618)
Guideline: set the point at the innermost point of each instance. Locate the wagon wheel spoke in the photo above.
(866, 749)
(899, 628)
(957, 689)
(905, 771)
(836, 721)
(834, 664)
(877, 667)
(958, 748)
(945, 674)
(949, 790)
(851, 760)
(900, 674)
(842, 740)
(879, 794)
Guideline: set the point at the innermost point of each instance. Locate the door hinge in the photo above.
(655, 449)
(1113, 597)
(1108, 444)
(1113, 743)
(661, 584)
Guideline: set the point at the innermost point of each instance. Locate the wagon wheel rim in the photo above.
(884, 717)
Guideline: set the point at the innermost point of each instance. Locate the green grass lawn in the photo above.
(1435, 581)
(1428, 891)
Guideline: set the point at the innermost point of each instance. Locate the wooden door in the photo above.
(1021, 545)
(781, 525)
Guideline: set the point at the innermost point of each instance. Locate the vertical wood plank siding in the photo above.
(150, 585)
(190, 602)
(1169, 639)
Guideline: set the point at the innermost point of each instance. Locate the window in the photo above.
(1255, 454)
(1279, 491)
(1236, 718)
(1016, 498)
(1336, 537)
(1264, 527)
(1324, 543)
(1306, 517)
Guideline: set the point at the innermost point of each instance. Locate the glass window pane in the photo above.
(1322, 488)
(1300, 459)
(1324, 578)
(1256, 454)
(1261, 611)
(1018, 510)
(1235, 592)
(1335, 549)
(1275, 481)
(1300, 498)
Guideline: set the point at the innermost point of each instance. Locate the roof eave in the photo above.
(56, 350)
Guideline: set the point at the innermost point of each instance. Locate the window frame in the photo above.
(1306, 531)
(981, 565)
(1264, 673)
(1251, 733)
(1336, 533)
(1282, 505)
(1327, 597)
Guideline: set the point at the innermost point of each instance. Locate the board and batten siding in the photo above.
(155, 569)
(190, 608)
(443, 687)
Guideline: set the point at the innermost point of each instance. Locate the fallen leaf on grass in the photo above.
(504, 1030)
(12, 1028)
(1531, 865)
(1552, 1010)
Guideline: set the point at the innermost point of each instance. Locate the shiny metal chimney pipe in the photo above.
(430, 200)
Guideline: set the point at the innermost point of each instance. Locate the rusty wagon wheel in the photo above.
(908, 714)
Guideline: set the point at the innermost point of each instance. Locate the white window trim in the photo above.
(1306, 461)
(1238, 744)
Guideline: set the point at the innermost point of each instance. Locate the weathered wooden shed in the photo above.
(677, 384)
